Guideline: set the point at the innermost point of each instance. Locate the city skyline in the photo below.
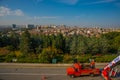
(68, 12)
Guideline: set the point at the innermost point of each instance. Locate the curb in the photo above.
(2, 65)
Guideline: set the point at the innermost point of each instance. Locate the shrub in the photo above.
(2, 58)
(67, 58)
(10, 57)
(84, 58)
(48, 54)
(105, 58)
(43, 58)
(4, 51)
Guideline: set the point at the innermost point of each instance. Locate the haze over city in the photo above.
(57, 12)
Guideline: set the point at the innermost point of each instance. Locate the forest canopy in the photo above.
(44, 48)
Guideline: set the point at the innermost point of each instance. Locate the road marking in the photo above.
(30, 74)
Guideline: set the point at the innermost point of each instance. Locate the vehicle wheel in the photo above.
(72, 76)
(92, 74)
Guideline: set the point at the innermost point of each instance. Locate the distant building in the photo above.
(54, 26)
(30, 26)
(14, 27)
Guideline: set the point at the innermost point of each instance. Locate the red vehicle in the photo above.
(111, 69)
(83, 71)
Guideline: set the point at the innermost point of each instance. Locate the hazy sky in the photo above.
(69, 12)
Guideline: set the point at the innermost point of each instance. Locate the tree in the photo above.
(5, 40)
(48, 54)
(60, 42)
(112, 41)
(103, 45)
(36, 43)
(78, 44)
(1, 41)
(73, 46)
(68, 41)
(92, 43)
(46, 41)
(82, 45)
(97, 45)
(25, 43)
(14, 41)
(117, 42)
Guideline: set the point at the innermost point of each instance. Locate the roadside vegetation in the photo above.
(30, 48)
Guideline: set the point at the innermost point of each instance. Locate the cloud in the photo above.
(103, 1)
(4, 11)
(18, 12)
(44, 17)
(49, 17)
(73, 2)
(100, 1)
(36, 18)
(70, 2)
(77, 17)
(37, 1)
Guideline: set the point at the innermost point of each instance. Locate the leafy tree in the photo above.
(110, 35)
(78, 44)
(39, 43)
(60, 43)
(81, 45)
(25, 42)
(119, 50)
(5, 40)
(112, 41)
(73, 46)
(48, 54)
(10, 57)
(14, 41)
(103, 45)
(1, 40)
(93, 44)
(46, 41)
(97, 45)
(68, 40)
(36, 43)
(53, 40)
(117, 42)
(4, 51)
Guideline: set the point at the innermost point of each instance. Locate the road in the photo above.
(39, 73)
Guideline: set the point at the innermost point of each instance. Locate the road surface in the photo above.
(39, 73)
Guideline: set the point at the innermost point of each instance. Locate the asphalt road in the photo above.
(46, 73)
(40, 73)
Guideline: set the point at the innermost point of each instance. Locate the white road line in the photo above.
(30, 74)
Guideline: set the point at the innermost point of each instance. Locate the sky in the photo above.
(58, 12)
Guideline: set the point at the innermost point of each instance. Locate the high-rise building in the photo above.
(14, 27)
(30, 26)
